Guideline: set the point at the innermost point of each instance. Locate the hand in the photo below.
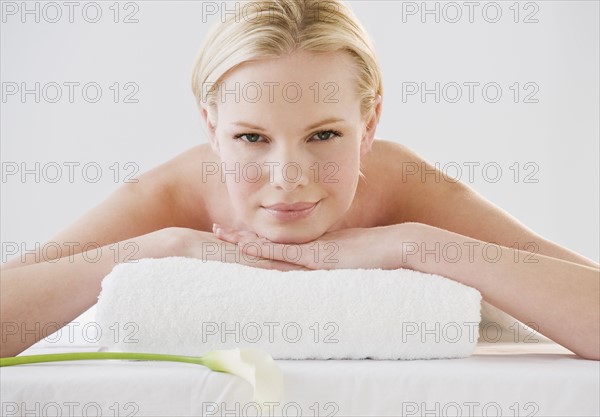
(192, 243)
(365, 248)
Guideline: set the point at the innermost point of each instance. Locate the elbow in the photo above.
(8, 350)
(590, 349)
(594, 356)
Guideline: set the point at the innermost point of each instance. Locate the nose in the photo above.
(287, 173)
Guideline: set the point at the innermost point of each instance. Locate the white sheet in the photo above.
(499, 379)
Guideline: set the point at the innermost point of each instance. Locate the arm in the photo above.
(557, 298)
(35, 296)
(128, 225)
(560, 297)
(560, 282)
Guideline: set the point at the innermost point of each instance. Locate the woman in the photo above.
(291, 95)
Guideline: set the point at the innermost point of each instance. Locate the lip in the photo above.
(291, 207)
(290, 212)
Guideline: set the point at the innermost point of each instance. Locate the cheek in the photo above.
(241, 179)
(340, 178)
(241, 190)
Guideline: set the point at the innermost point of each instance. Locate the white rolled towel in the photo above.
(188, 306)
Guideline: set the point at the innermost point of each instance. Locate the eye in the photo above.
(251, 137)
(326, 135)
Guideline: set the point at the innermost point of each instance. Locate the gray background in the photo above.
(558, 136)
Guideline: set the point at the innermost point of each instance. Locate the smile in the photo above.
(290, 215)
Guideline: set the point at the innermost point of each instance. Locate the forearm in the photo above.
(44, 295)
(560, 298)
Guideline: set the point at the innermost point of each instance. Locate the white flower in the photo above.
(253, 365)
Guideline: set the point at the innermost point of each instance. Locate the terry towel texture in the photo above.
(189, 306)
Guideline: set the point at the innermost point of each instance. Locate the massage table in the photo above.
(508, 379)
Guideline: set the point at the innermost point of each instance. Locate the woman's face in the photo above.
(289, 130)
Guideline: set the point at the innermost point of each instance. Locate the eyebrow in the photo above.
(310, 127)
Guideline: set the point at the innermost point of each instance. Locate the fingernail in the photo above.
(214, 227)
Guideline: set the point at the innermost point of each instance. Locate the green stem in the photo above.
(77, 356)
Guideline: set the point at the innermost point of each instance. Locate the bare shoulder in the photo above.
(423, 194)
(182, 179)
(388, 167)
(392, 156)
(426, 195)
(165, 196)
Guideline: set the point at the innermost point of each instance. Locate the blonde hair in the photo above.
(274, 28)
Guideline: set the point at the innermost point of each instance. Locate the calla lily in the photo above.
(253, 365)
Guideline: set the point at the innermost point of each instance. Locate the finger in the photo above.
(266, 263)
(298, 254)
(223, 228)
(278, 265)
(234, 236)
(249, 260)
(219, 226)
(261, 247)
(226, 235)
